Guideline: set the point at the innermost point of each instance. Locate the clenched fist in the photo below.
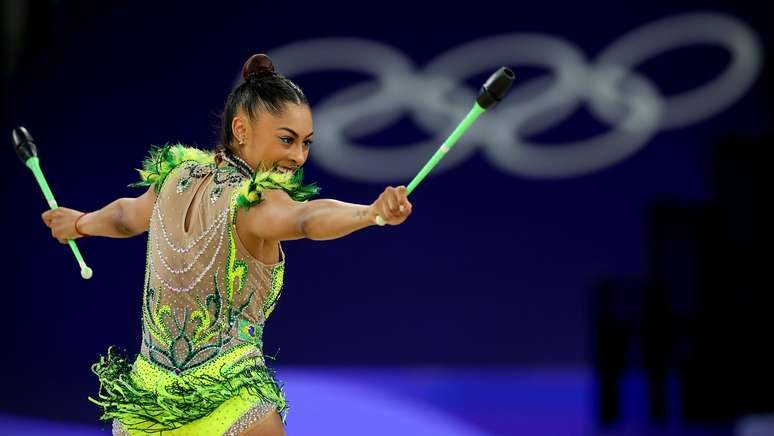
(392, 205)
(61, 221)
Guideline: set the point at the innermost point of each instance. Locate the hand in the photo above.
(392, 205)
(61, 221)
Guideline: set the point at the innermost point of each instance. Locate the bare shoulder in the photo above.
(274, 203)
(148, 198)
(276, 197)
(143, 205)
(275, 218)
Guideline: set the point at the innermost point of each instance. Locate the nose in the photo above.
(297, 155)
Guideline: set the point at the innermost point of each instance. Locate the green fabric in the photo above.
(162, 160)
(216, 423)
(251, 193)
(147, 397)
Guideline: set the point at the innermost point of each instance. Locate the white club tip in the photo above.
(379, 220)
(86, 272)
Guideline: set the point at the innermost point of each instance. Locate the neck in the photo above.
(239, 163)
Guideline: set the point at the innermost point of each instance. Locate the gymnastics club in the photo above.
(493, 90)
(28, 153)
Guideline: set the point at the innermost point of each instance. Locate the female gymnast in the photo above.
(215, 264)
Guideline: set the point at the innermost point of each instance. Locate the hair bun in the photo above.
(259, 65)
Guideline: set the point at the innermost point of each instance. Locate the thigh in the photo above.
(271, 425)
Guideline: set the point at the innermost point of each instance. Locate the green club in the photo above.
(28, 153)
(493, 90)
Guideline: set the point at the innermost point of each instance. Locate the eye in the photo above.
(286, 140)
(308, 142)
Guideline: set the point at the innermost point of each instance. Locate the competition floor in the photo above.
(439, 401)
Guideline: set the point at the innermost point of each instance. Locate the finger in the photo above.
(402, 200)
(388, 199)
(62, 241)
(402, 193)
(395, 200)
(385, 212)
(47, 216)
(405, 209)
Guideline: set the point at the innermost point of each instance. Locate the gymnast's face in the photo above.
(270, 141)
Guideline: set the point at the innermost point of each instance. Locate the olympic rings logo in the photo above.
(625, 100)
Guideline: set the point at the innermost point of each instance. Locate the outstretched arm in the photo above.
(123, 218)
(279, 218)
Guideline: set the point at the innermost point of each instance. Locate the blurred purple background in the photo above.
(581, 263)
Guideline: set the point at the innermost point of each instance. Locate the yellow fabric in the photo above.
(151, 377)
(198, 265)
(216, 423)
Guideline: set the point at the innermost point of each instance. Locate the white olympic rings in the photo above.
(436, 97)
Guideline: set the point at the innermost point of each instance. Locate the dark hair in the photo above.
(263, 90)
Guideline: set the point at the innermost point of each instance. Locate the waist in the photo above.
(149, 375)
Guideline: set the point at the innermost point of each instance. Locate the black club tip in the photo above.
(23, 144)
(495, 88)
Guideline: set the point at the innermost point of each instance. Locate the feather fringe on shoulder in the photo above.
(251, 192)
(163, 159)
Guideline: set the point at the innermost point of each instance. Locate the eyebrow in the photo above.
(293, 132)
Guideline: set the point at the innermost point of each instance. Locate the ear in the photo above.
(239, 127)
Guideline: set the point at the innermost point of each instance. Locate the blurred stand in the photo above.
(704, 312)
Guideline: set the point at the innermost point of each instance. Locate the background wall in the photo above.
(554, 195)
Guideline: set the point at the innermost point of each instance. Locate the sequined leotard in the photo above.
(200, 369)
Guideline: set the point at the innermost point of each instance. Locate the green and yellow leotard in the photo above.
(201, 368)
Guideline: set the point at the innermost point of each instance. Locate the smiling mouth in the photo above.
(286, 170)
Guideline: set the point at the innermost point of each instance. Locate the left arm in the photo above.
(279, 218)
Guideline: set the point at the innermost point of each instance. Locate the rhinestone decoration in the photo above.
(184, 250)
(249, 418)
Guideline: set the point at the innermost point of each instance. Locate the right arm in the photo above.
(122, 218)
(279, 218)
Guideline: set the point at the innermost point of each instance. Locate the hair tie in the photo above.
(252, 77)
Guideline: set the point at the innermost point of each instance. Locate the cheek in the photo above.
(271, 151)
(277, 153)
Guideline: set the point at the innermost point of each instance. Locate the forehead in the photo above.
(296, 116)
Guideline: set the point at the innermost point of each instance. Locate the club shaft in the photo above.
(33, 164)
(447, 145)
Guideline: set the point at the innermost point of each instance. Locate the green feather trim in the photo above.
(162, 160)
(251, 192)
(183, 401)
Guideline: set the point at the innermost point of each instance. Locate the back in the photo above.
(204, 293)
